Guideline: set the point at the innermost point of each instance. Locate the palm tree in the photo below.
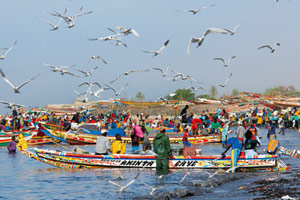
(235, 92)
(213, 92)
(183, 94)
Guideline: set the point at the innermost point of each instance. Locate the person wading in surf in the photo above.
(163, 151)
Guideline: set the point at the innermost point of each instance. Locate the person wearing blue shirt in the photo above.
(236, 146)
(219, 111)
(271, 131)
(189, 119)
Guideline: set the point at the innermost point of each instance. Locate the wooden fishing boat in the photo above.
(31, 140)
(4, 141)
(83, 139)
(286, 104)
(268, 104)
(290, 152)
(259, 163)
(41, 140)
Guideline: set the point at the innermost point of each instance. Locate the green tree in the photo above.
(140, 97)
(213, 91)
(182, 94)
(281, 91)
(205, 96)
(235, 92)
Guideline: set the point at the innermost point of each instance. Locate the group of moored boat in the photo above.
(259, 163)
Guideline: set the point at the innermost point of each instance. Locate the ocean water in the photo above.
(26, 178)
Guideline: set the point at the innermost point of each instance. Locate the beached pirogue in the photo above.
(82, 139)
(259, 163)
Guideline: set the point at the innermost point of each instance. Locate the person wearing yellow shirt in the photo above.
(22, 143)
(118, 147)
(233, 118)
(259, 121)
(119, 124)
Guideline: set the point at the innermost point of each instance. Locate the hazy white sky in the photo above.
(262, 22)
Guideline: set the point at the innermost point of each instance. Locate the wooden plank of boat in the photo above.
(4, 141)
(39, 140)
(72, 160)
(71, 138)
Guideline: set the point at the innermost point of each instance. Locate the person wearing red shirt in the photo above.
(185, 141)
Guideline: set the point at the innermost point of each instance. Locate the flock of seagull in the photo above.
(153, 189)
(118, 34)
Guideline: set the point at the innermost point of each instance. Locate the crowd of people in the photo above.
(189, 124)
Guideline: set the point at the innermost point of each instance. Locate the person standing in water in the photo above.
(163, 151)
(12, 145)
(22, 143)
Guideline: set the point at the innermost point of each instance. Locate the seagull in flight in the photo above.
(57, 69)
(97, 92)
(127, 73)
(153, 189)
(54, 26)
(84, 99)
(226, 81)
(71, 24)
(231, 169)
(86, 74)
(175, 78)
(194, 88)
(210, 175)
(164, 73)
(232, 32)
(226, 64)
(155, 53)
(16, 89)
(63, 71)
(195, 11)
(100, 58)
(182, 77)
(107, 38)
(90, 84)
(120, 36)
(11, 105)
(117, 93)
(3, 56)
(89, 89)
(160, 98)
(268, 46)
(122, 188)
(200, 40)
(119, 42)
(181, 180)
(125, 31)
(69, 19)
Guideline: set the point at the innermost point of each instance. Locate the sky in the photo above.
(253, 70)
